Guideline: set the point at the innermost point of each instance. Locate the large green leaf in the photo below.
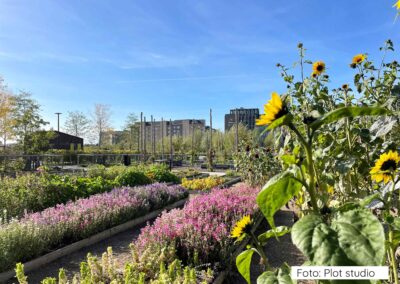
(343, 112)
(277, 232)
(355, 238)
(243, 263)
(283, 120)
(282, 276)
(276, 193)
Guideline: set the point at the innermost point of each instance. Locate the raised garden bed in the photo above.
(53, 228)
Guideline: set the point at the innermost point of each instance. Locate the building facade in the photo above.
(65, 141)
(245, 116)
(181, 127)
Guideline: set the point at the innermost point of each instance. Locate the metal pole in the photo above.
(151, 135)
(171, 157)
(141, 134)
(144, 138)
(192, 141)
(154, 137)
(162, 138)
(211, 145)
(236, 131)
(58, 120)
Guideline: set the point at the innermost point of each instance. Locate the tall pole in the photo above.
(144, 137)
(151, 135)
(192, 141)
(236, 131)
(154, 137)
(162, 138)
(141, 133)
(58, 120)
(171, 157)
(211, 145)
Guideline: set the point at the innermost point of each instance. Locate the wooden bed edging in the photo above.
(64, 251)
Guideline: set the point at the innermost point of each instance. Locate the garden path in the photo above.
(119, 243)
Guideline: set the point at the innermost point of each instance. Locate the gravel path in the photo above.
(277, 251)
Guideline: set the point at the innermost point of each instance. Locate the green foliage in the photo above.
(243, 263)
(352, 238)
(276, 232)
(157, 265)
(276, 193)
(33, 192)
(255, 164)
(161, 173)
(281, 276)
(347, 112)
(132, 177)
(327, 148)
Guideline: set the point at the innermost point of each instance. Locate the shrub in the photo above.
(161, 173)
(131, 177)
(37, 233)
(202, 183)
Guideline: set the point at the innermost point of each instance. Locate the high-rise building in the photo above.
(181, 127)
(245, 116)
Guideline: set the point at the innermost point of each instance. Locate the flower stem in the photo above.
(261, 251)
(392, 257)
(310, 163)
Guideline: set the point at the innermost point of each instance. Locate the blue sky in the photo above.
(176, 59)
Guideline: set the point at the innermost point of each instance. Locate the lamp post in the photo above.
(58, 120)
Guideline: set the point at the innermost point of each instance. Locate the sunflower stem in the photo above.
(310, 163)
(260, 251)
(393, 258)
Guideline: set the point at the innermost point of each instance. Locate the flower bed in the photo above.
(36, 192)
(37, 233)
(178, 246)
(202, 183)
(201, 229)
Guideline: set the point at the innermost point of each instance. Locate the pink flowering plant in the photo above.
(200, 231)
(37, 233)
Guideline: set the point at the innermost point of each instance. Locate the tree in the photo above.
(101, 120)
(77, 124)
(7, 105)
(132, 130)
(28, 122)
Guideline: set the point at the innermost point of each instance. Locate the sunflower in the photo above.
(397, 5)
(385, 166)
(274, 109)
(242, 227)
(358, 59)
(318, 67)
(345, 86)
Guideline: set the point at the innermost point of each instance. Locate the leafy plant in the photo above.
(330, 141)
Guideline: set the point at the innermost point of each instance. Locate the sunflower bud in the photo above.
(353, 65)
(299, 45)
